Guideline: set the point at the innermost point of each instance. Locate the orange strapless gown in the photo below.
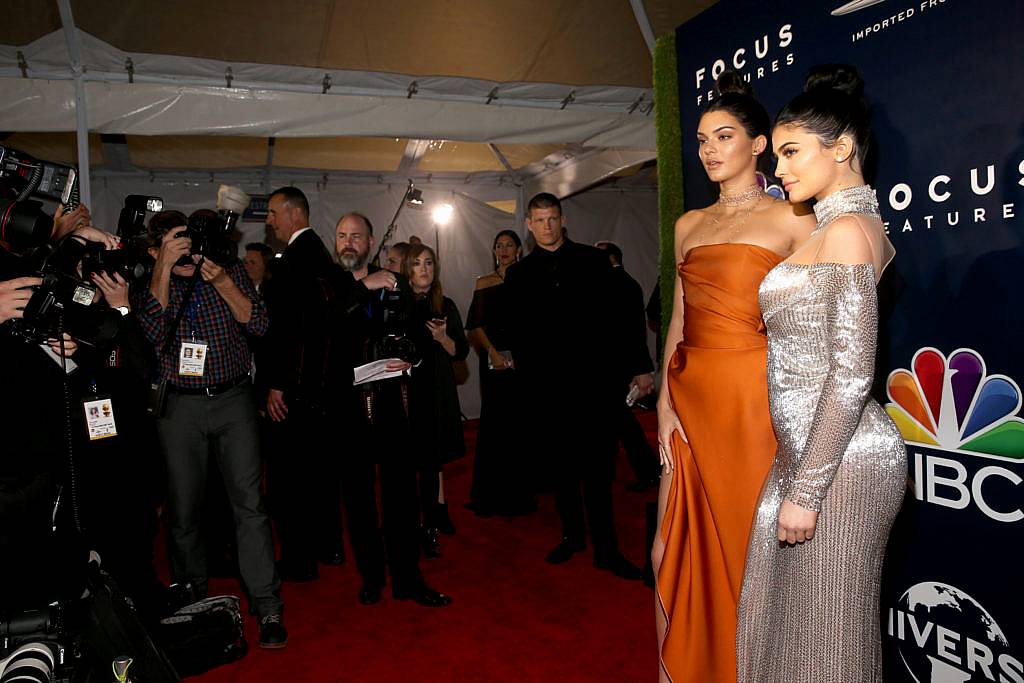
(717, 380)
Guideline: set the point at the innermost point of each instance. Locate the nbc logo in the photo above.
(962, 426)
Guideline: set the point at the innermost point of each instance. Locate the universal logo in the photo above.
(944, 635)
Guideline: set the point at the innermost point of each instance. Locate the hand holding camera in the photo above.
(173, 247)
(14, 296)
(381, 279)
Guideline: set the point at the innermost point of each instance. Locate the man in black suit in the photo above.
(571, 354)
(374, 425)
(304, 477)
(639, 452)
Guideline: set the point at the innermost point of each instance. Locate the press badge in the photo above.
(99, 418)
(192, 361)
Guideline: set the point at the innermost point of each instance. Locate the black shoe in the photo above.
(565, 550)
(444, 520)
(273, 634)
(431, 544)
(333, 555)
(620, 566)
(299, 572)
(642, 485)
(424, 595)
(369, 594)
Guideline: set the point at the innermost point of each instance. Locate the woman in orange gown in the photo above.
(714, 431)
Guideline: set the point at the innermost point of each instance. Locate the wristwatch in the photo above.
(123, 310)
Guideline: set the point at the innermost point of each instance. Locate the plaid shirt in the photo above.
(207, 319)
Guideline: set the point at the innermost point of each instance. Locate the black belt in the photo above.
(212, 390)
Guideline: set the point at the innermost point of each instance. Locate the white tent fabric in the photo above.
(190, 95)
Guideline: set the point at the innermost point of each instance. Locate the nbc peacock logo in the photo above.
(964, 435)
(954, 404)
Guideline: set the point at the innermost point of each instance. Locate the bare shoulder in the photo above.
(686, 222)
(489, 280)
(797, 219)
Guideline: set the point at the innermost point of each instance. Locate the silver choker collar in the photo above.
(860, 199)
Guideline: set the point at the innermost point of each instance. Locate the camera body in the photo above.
(392, 332)
(211, 231)
(64, 301)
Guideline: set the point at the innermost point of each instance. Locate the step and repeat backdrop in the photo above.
(945, 79)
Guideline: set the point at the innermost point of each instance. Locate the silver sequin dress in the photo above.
(809, 613)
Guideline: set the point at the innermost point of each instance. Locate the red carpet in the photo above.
(514, 618)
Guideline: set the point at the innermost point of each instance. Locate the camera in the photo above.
(28, 176)
(64, 301)
(210, 231)
(394, 341)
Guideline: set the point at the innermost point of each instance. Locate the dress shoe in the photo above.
(431, 544)
(333, 555)
(273, 634)
(298, 572)
(424, 595)
(565, 550)
(369, 594)
(620, 566)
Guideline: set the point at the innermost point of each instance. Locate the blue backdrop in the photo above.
(946, 84)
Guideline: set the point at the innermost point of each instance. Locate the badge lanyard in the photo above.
(99, 414)
(193, 354)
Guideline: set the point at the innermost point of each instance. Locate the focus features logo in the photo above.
(943, 635)
(753, 61)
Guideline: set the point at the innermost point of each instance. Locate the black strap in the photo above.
(169, 337)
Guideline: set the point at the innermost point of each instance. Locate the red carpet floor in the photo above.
(514, 618)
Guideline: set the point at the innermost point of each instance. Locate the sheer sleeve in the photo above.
(851, 333)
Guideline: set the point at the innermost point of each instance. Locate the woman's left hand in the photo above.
(796, 524)
(437, 330)
(114, 288)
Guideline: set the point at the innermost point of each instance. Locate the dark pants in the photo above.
(386, 441)
(192, 428)
(583, 459)
(305, 483)
(641, 456)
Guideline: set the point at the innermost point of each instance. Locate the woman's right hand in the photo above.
(668, 422)
(497, 359)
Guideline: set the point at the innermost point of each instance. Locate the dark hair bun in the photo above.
(731, 82)
(842, 77)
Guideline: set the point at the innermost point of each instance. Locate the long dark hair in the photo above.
(831, 105)
(434, 295)
(735, 96)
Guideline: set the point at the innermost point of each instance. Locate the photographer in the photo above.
(376, 424)
(119, 467)
(196, 315)
(43, 558)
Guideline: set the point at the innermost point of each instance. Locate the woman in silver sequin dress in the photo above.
(809, 604)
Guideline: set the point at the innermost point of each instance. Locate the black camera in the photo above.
(394, 339)
(64, 302)
(28, 176)
(211, 231)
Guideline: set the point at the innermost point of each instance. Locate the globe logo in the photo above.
(945, 636)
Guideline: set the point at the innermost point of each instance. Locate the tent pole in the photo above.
(81, 115)
(643, 23)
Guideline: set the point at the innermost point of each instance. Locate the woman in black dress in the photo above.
(434, 411)
(499, 486)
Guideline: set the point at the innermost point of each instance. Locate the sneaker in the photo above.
(273, 634)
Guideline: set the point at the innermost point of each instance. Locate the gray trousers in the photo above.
(194, 428)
